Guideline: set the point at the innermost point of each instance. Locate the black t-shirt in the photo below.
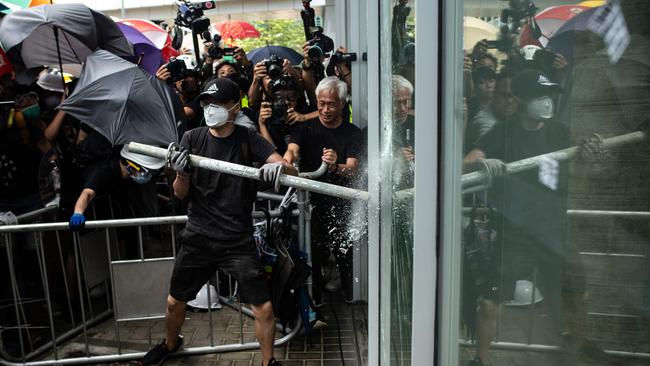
(102, 176)
(220, 204)
(528, 206)
(404, 134)
(19, 161)
(313, 137)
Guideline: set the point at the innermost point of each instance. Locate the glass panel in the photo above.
(555, 245)
(397, 165)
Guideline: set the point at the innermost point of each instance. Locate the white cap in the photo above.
(146, 161)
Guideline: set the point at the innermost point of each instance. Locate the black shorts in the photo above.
(200, 257)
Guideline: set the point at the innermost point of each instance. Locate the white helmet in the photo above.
(190, 62)
(50, 79)
(528, 51)
(201, 301)
(524, 294)
(146, 161)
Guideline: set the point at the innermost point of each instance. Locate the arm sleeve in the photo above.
(492, 142)
(260, 148)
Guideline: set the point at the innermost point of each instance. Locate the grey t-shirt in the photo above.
(220, 204)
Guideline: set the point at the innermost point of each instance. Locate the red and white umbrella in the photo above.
(551, 19)
(236, 29)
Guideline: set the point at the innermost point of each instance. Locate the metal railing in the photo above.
(477, 182)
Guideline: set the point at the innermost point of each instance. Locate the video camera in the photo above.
(274, 66)
(215, 51)
(190, 16)
(511, 19)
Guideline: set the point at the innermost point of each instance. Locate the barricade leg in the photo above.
(46, 288)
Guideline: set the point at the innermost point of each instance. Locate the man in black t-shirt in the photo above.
(531, 205)
(219, 232)
(336, 142)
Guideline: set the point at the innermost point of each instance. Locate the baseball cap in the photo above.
(530, 84)
(146, 161)
(222, 89)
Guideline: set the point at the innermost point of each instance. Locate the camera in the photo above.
(319, 44)
(279, 104)
(274, 66)
(190, 15)
(337, 58)
(177, 69)
(214, 51)
(279, 111)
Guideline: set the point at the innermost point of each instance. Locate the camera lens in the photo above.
(274, 71)
(315, 51)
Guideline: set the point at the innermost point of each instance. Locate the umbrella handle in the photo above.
(58, 54)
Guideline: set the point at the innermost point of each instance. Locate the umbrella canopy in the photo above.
(236, 29)
(563, 40)
(122, 102)
(475, 29)
(146, 54)
(156, 34)
(29, 36)
(261, 53)
(592, 3)
(553, 18)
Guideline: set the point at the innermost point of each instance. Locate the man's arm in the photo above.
(288, 168)
(472, 158)
(292, 153)
(181, 185)
(348, 169)
(84, 200)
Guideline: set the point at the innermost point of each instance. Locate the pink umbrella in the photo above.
(553, 18)
(236, 29)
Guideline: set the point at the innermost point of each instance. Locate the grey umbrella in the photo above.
(122, 102)
(37, 36)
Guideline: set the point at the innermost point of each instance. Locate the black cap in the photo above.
(221, 89)
(530, 84)
(483, 73)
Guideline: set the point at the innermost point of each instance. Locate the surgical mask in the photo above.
(142, 178)
(216, 115)
(31, 112)
(51, 102)
(540, 108)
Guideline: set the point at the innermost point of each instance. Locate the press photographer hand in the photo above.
(259, 72)
(265, 113)
(295, 117)
(163, 73)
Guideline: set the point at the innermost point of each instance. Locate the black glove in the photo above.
(181, 161)
(270, 173)
(494, 168)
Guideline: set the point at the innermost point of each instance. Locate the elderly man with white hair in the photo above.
(335, 141)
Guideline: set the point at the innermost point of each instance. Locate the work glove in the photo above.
(270, 173)
(8, 218)
(493, 168)
(77, 221)
(593, 152)
(181, 161)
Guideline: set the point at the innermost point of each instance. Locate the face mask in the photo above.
(142, 178)
(216, 115)
(31, 112)
(540, 108)
(51, 102)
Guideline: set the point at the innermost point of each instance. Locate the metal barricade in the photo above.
(123, 290)
(477, 182)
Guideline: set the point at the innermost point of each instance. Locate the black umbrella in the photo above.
(122, 102)
(261, 53)
(59, 35)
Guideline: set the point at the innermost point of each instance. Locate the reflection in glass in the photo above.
(555, 254)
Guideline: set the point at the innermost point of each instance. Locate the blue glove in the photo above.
(77, 221)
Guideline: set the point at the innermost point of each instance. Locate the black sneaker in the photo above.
(273, 362)
(158, 354)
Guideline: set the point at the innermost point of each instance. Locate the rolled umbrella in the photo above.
(60, 35)
(122, 102)
(262, 53)
(145, 52)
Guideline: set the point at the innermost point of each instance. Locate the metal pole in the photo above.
(210, 312)
(253, 173)
(40, 254)
(14, 288)
(480, 177)
(76, 242)
(65, 277)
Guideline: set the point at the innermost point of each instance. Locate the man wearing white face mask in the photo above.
(219, 231)
(530, 218)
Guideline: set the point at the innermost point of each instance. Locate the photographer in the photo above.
(263, 73)
(286, 108)
(186, 85)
